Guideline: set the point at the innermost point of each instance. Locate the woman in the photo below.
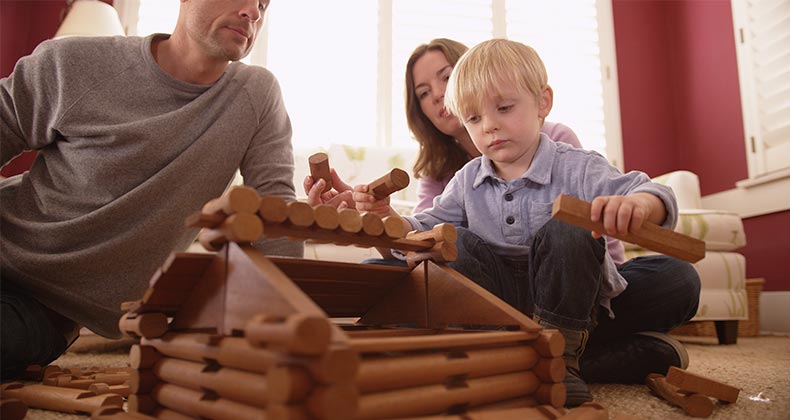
(445, 146)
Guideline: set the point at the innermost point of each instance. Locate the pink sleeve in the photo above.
(427, 190)
(561, 133)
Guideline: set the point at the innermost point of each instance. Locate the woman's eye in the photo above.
(421, 95)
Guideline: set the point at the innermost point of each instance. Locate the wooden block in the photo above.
(394, 227)
(651, 236)
(273, 209)
(142, 404)
(439, 341)
(288, 384)
(372, 224)
(12, 409)
(199, 404)
(238, 199)
(550, 369)
(67, 400)
(333, 402)
(440, 232)
(143, 357)
(395, 180)
(233, 384)
(99, 388)
(553, 394)
(326, 217)
(550, 343)
(693, 383)
(143, 381)
(441, 252)
(350, 220)
(239, 227)
(439, 398)
(297, 334)
(300, 214)
(319, 169)
(382, 373)
(695, 405)
(148, 325)
(168, 414)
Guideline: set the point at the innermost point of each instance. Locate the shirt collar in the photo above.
(539, 171)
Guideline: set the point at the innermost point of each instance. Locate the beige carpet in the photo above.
(760, 366)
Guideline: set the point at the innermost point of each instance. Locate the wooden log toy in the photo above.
(67, 400)
(273, 209)
(333, 366)
(651, 236)
(319, 169)
(393, 227)
(238, 227)
(100, 388)
(297, 334)
(695, 405)
(693, 383)
(372, 224)
(148, 325)
(300, 214)
(444, 251)
(238, 199)
(395, 180)
(380, 373)
(326, 217)
(12, 409)
(439, 233)
(350, 220)
(198, 404)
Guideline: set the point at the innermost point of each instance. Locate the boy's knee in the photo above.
(559, 235)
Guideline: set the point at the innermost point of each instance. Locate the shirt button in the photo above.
(508, 197)
(510, 220)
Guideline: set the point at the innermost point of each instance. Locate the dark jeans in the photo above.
(30, 333)
(561, 280)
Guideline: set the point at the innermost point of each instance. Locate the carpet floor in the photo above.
(759, 366)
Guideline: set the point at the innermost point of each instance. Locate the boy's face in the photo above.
(507, 128)
(225, 29)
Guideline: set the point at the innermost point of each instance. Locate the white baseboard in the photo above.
(773, 312)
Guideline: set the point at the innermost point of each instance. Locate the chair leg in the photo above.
(727, 331)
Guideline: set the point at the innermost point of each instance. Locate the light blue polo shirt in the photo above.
(507, 215)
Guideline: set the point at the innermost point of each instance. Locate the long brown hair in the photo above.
(440, 155)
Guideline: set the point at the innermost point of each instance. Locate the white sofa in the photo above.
(722, 271)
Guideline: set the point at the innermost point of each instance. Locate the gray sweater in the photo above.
(126, 152)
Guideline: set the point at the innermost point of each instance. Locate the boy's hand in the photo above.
(365, 201)
(339, 196)
(625, 214)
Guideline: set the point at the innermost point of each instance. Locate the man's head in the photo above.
(224, 30)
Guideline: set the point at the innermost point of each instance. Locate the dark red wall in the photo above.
(23, 25)
(680, 108)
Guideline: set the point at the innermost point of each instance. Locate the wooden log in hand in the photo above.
(695, 405)
(395, 180)
(651, 236)
(319, 169)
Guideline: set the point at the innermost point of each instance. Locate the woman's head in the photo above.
(427, 72)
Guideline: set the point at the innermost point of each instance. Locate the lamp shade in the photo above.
(90, 18)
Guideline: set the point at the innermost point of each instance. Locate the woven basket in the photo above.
(746, 328)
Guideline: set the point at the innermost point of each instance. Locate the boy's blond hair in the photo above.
(487, 68)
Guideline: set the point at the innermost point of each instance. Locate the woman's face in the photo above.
(431, 72)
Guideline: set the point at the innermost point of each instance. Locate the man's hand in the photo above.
(625, 214)
(339, 197)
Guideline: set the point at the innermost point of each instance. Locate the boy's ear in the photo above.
(545, 102)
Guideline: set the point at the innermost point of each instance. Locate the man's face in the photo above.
(225, 29)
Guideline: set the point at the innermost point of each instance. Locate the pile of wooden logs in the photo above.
(70, 390)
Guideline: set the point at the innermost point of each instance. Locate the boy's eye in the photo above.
(473, 119)
(504, 108)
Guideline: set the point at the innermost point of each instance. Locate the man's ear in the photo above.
(545, 102)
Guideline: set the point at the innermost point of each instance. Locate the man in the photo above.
(133, 135)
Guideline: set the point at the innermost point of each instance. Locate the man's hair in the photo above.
(490, 67)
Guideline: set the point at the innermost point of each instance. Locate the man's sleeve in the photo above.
(268, 165)
(29, 102)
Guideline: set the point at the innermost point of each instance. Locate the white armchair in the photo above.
(722, 271)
